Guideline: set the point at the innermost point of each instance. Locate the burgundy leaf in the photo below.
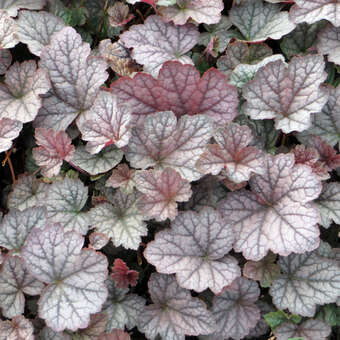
(122, 275)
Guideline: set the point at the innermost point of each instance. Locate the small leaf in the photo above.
(329, 43)
(12, 6)
(174, 313)
(122, 177)
(9, 130)
(122, 275)
(8, 31)
(75, 278)
(119, 14)
(196, 248)
(98, 240)
(5, 60)
(17, 329)
(275, 319)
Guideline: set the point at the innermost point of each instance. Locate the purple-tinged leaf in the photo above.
(261, 327)
(156, 42)
(233, 154)
(8, 31)
(64, 201)
(12, 6)
(105, 123)
(179, 89)
(306, 280)
(235, 310)
(36, 28)
(119, 14)
(53, 148)
(17, 329)
(122, 275)
(258, 21)
(9, 130)
(5, 60)
(329, 43)
(287, 93)
(201, 11)
(121, 308)
(20, 93)
(276, 214)
(165, 142)
(75, 277)
(17, 225)
(161, 190)
(14, 282)
(98, 240)
(96, 327)
(196, 248)
(174, 313)
(311, 11)
(121, 221)
(122, 177)
(308, 330)
(116, 334)
(49, 334)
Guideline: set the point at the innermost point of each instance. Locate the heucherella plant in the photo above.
(170, 169)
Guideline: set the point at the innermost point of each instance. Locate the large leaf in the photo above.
(20, 93)
(306, 280)
(165, 142)
(276, 214)
(308, 330)
(36, 28)
(329, 43)
(75, 277)
(156, 42)
(8, 31)
(232, 154)
(235, 310)
(179, 89)
(258, 21)
(174, 313)
(9, 130)
(14, 282)
(105, 123)
(17, 329)
(121, 220)
(161, 189)
(196, 248)
(12, 6)
(201, 11)
(64, 202)
(288, 94)
(311, 11)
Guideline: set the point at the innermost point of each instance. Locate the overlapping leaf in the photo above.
(174, 313)
(201, 11)
(8, 31)
(235, 310)
(19, 328)
(105, 123)
(179, 89)
(9, 130)
(165, 142)
(156, 42)
(276, 214)
(121, 220)
(49, 334)
(122, 275)
(122, 177)
(75, 278)
(12, 6)
(329, 43)
(116, 334)
(288, 94)
(196, 248)
(232, 154)
(20, 93)
(96, 327)
(14, 282)
(306, 280)
(98, 240)
(5, 60)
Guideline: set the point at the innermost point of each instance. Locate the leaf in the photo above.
(174, 313)
(36, 28)
(64, 202)
(116, 334)
(276, 214)
(232, 154)
(329, 43)
(201, 11)
(165, 142)
(308, 330)
(17, 225)
(261, 327)
(54, 148)
(264, 270)
(235, 310)
(75, 278)
(105, 123)
(291, 97)
(119, 14)
(121, 308)
(330, 314)
(8, 31)
(122, 177)
(96, 327)
(122, 275)
(12, 6)
(5, 60)
(49, 334)
(156, 42)
(121, 221)
(20, 93)
(311, 11)
(98, 240)
(306, 280)
(17, 329)
(196, 248)
(9, 130)
(258, 21)
(328, 204)
(179, 89)
(161, 189)
(275, 319)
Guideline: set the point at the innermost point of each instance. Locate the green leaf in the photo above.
(275, 319)
(330, 314)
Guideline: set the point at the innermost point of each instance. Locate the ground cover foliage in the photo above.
(170, 169)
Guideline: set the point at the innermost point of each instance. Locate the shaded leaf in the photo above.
(12, 6)
(49, 334)
(122, 275)
(116, 334)
(8, 31)
(5, 60)
(122, 177)
(96, 327)
(9, 130)
(98, 240)
(19, 328)
(261, 327)
(329, 43)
